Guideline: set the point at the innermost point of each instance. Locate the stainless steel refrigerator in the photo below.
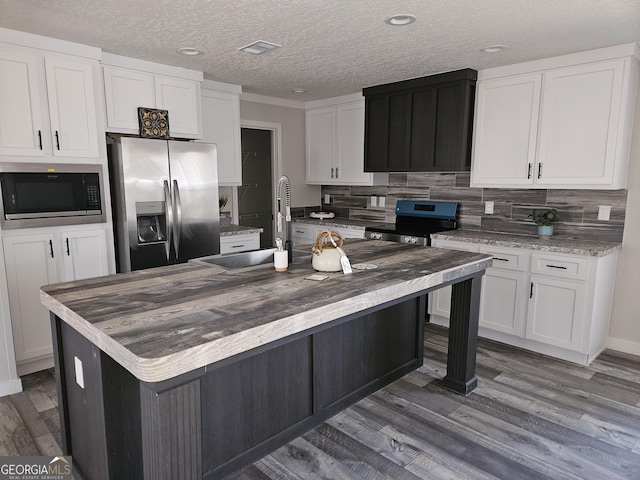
(165, 199)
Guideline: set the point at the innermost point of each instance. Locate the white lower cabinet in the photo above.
(306, 233)
(552, 303)
(35, 260)
(239, 243)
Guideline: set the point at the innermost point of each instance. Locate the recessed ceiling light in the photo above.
(494, 48)
(189, 51)
(259, 47)
(298, 90)
(400, 20)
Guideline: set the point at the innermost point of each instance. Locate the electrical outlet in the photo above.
(327, 198)
(374, 201)
(381, 201)
(488, 208)
(604, 212)
(79, 372)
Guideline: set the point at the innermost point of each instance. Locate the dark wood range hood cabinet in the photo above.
(420, 125)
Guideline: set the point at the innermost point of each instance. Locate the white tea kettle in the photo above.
(325, 255)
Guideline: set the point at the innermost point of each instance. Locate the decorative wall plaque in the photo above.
(153, 123)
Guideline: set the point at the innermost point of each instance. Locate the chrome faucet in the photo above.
(283, 184)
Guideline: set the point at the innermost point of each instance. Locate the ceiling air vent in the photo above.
(259, 47)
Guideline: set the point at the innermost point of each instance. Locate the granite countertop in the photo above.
(239, 230)
(339, 222)
(162, 322)
(553, 244)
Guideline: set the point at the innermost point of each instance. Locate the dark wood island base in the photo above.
(212, 420)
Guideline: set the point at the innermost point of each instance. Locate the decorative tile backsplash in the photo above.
(578, 209)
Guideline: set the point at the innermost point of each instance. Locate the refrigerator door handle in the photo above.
(168, 208)
(177, 232)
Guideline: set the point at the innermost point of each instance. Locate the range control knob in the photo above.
(375, 236)
(412, 240)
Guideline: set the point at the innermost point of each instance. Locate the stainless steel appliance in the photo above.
(165, 197)
(46, 194)
(416, 220)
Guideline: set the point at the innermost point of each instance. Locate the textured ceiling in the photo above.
(329, 47)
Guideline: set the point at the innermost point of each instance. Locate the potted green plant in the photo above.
(545, 221)
(225, 218)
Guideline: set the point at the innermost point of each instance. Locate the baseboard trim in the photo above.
(10, 387)
(623, 346)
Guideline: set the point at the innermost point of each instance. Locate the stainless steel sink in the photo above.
(239, 260)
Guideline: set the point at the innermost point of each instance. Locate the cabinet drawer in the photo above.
(304, 231)
(239, 243)
(574, 268)
(507, 259)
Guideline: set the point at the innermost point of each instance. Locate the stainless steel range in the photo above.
(416, 220)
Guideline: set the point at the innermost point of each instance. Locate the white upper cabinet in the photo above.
(221, 125)
(125, 91)
(321, 145)
(34, 87)
(506, 128)
(561, 127)
(182, 99)
(72, 108)
(131, 83)
(335, 145)
(20, 116)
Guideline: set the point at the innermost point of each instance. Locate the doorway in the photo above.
(255, 195)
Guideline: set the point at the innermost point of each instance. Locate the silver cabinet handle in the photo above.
(68, 251)
(331, 172)
(540, 170)
(337, 174)
(238, 246)
(529, 171)
(51, 247)
(501, 259)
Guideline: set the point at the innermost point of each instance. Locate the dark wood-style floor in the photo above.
(531, 417)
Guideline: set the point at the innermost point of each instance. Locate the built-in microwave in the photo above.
(42, 194)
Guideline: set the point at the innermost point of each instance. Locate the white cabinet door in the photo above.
(84, 254)
(72, 109)
(556, 311)
(30, 264)
(125, 91)
(20, 114)
(502, 303)
(579, 124)
(350, 138)
(321, 144)
(505, 130)
(182, 99)
(221, 125)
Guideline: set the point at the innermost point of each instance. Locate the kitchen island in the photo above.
(191, 371)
